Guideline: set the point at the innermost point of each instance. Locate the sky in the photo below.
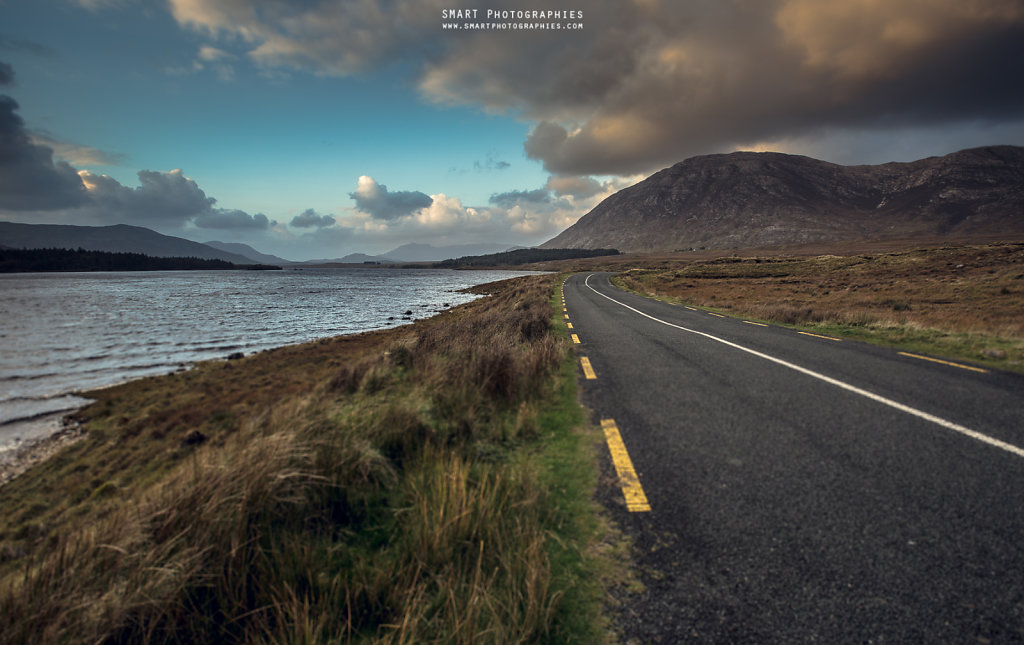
(318, 128)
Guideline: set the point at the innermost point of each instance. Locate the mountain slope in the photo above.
(247, 251)
(766, 199)
(118, 238)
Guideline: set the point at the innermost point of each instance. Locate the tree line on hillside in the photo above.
(48, 260)
(523, 256)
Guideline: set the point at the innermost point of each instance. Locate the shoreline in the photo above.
(34, 438)
(29, 452)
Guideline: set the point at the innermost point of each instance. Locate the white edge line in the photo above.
(974, 434)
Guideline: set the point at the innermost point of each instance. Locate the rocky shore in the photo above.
(35, 450)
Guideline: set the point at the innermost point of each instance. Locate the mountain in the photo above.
(767, 199)
(247, 251)
(119, 238)
(415, 252)
(353, 258)
(361, 258)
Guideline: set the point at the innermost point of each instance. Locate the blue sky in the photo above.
(229, 120)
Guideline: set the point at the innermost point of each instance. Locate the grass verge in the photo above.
(427, 484)
(960, 302)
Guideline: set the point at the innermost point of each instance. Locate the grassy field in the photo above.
(964, 302)
(432, 483)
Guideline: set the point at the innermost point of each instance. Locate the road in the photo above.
(802, 488)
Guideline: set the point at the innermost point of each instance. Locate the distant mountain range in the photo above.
(748, 199)
(416, 252)
(119, 238)
(247, 251)
(122, 238)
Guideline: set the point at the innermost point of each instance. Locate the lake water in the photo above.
(65, 332)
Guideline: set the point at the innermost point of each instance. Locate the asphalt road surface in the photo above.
(803, 489)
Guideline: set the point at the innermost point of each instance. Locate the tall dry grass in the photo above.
(394, 500)
(963, 301)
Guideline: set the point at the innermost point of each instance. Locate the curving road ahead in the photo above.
(802, 488)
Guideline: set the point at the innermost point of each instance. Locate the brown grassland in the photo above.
(432, 483)
(961, 301)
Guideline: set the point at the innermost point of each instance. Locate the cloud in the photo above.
(75, 153)
(511, 198)
(29, 178)
(212, 54)
(161, 197)
(375, 200)
(167, 200)
(577, 187)
(6, 74)
(526, 217)
(216, 59)
(309, 218)
(741, 72)
(321, 35)
(490, 163)
(230, 219)
(32, 182)
(647, 83)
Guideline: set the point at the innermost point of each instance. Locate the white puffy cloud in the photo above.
(375, 200)
(518, 217)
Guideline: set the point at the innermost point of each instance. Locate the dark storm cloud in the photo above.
(377, 201)
(647, 83)
(309, 218)
(30, 180)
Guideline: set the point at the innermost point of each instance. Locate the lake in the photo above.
(61, 333)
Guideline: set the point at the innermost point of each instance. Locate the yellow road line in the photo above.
(714, 314)
(636, 500)
(569, 325)
(575, 338)
(951, 364)
(691, 308)
(567, 316)
(838, 340)
(751, 322)
(588, 370)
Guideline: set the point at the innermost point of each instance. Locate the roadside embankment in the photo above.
(426, 484)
